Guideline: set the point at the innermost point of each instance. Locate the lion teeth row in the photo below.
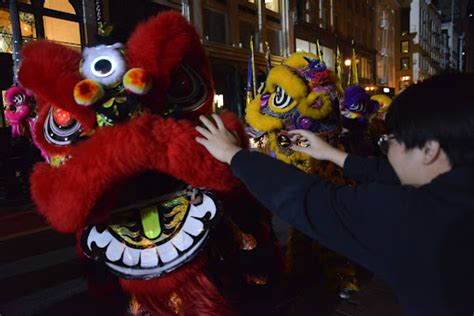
(166, 252)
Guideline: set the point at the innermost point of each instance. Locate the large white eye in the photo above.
(280, 99)
(104, 64)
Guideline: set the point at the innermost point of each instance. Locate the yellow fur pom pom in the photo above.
(137, 81)
(87, 92)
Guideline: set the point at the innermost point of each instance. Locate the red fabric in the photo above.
(66, 195)
(197, 293)
(159, 46)
(51, 71)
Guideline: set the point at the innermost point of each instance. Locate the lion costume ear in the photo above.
(163, 43)
(51, 71)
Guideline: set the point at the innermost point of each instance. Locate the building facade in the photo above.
(468, 27)
(452, 34)
(345, 24)
(387, 41)
(225, 26)
(420, 42)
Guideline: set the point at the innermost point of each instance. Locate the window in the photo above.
(327, 53)
(322, 15)
(328, 57)
(302, 45)
(303, 9)
(272, 5)
(215, 26)
(363, 67)
(63, 31)
(246, 29)
(59, 23)
(274, 41)
(405, 63)
(27, 29)
(6, 45)
(59, 5)
(405, 47)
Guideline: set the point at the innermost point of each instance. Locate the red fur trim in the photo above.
(67, 194)
(198, 295)
(51, 71)
(167, 283)
(162, 43)
(232, 122)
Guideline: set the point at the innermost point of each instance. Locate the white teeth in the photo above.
(100, 239)
(114, 250)
(193, 226)
(206, 206)
(148, 258)
(131, 256)
(167, 252)
(182, 241)
(159, 270)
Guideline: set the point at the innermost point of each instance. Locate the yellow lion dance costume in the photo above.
(303, 94)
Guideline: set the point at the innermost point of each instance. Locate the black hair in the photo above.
(440, 108)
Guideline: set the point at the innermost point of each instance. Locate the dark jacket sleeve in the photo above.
(371, 169)
(359, 222)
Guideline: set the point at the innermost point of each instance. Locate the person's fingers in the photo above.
(237, 138)
(295, 138)
(200, 140)
(210, 126)
(304, 150)
(218, 120)
(204, 132)
(301, 132)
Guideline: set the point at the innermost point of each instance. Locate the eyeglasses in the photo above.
(384, 143)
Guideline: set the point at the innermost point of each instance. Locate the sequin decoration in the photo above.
(258, 280)
(247, 242)
(284, 141)
(174, 303)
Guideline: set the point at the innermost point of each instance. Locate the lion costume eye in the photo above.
(60, 128)
(187, 91)
(104, 64)
(357, 107)
(280, 98)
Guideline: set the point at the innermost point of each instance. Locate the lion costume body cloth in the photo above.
(303, 94)
(125, 174)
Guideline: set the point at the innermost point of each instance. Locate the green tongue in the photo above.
(150, 222)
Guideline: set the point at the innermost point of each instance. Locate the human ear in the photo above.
(431, 151)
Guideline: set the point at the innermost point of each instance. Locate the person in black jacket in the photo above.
(409, 220)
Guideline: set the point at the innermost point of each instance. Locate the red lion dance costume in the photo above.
(127, 177)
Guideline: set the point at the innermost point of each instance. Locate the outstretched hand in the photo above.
(219, 142)
(307, 142)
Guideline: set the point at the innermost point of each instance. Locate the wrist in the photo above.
(231, 153)
(337, 156)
